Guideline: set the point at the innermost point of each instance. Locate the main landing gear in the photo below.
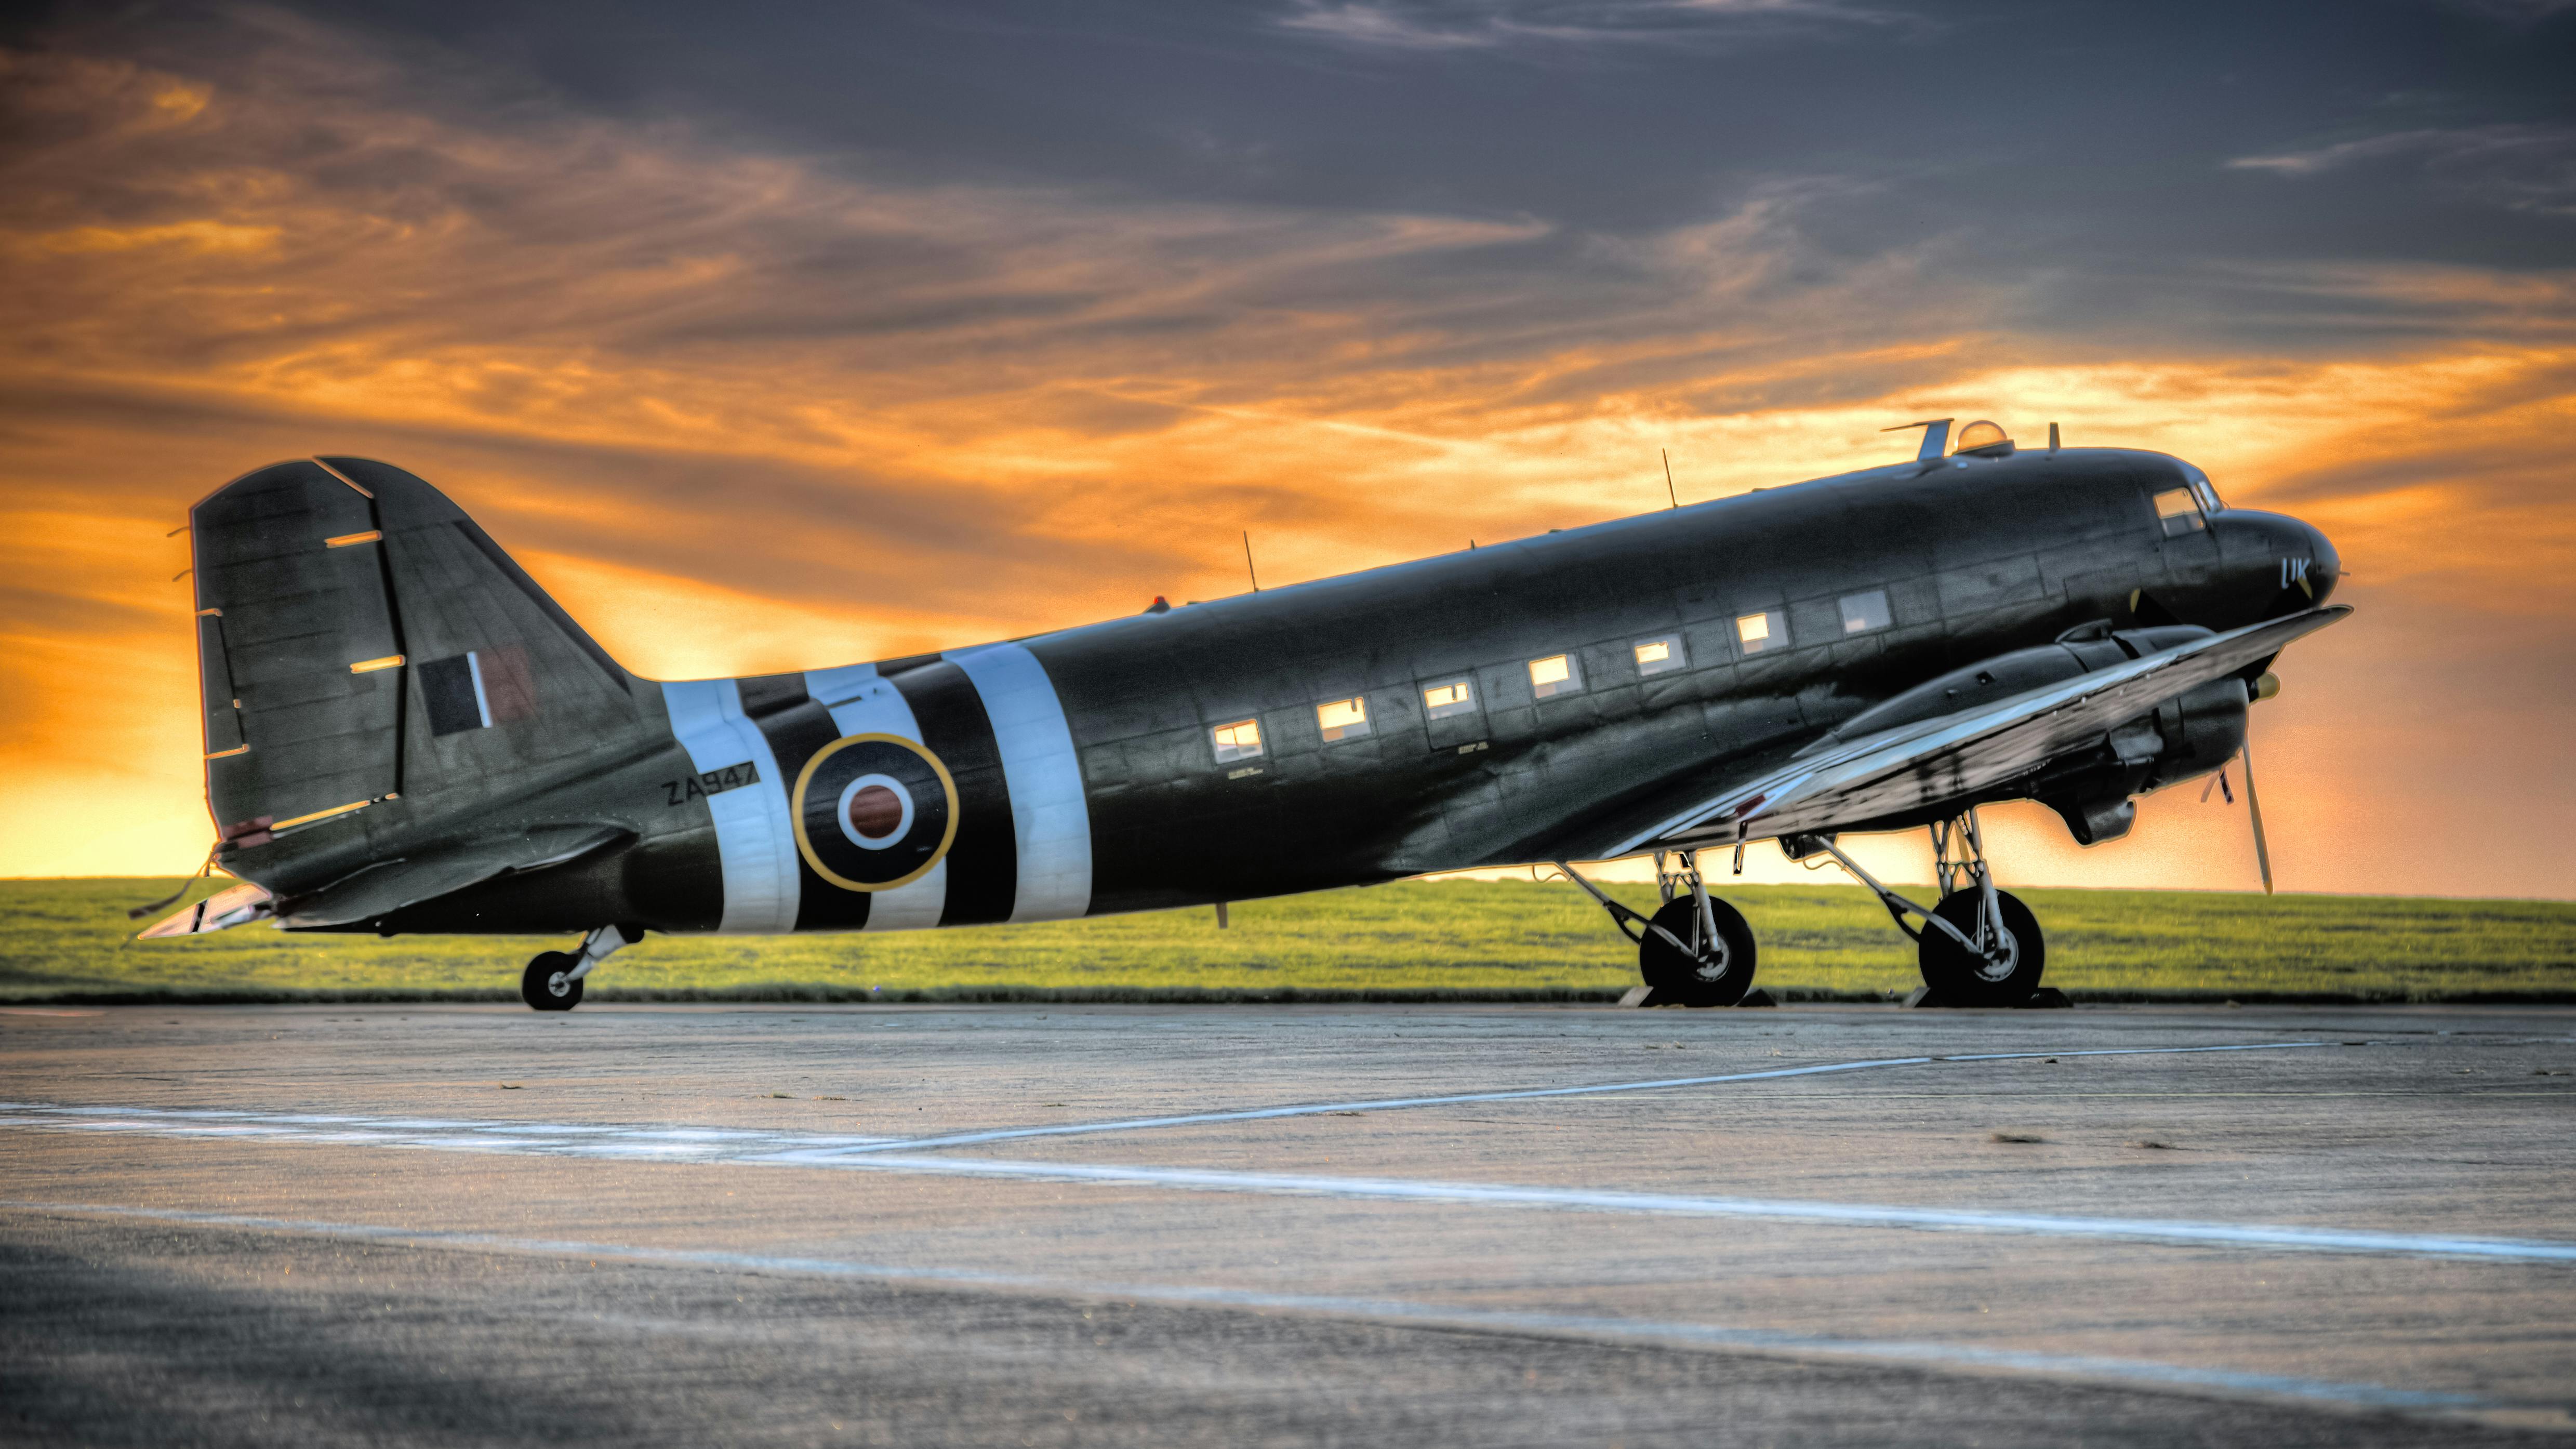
(1980, 946)
(552, 981)
(1695, 950)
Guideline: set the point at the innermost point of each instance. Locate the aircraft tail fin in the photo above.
(361, 640)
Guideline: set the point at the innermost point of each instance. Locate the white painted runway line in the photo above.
(1522, 1094)
(657, 1143)
(832, 1152)
(2132, 1373)
(1858, 1215)
(725, 1144)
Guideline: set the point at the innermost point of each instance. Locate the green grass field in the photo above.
(67, 939)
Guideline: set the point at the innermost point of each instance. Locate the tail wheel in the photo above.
(2004, 975)
(545, 985)
(1716, 972)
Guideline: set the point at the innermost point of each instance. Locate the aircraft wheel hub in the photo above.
(2001, 958)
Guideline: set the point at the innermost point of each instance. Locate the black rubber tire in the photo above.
(1958, 977)
(1675, 977)
(537, 986)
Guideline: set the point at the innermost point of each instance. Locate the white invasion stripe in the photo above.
(754, 844)
(914, 907)
(1571, 1325)
(482, 701)
(1048, 811)
(855, 686)
(862, 703)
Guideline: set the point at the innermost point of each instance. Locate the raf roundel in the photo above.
(873, 812)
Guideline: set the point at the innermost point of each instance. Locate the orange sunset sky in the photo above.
(760, 364)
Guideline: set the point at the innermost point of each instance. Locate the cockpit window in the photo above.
(2178, 510)
(2208, 495)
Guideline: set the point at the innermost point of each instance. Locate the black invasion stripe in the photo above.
(797, 729)
(984, 864)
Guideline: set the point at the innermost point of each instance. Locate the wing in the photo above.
(1952, 756)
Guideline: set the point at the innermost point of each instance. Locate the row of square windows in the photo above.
(1344, 719)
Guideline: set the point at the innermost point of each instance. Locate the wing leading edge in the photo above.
(1920, 764)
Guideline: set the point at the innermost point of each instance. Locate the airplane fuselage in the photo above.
(1536, 700)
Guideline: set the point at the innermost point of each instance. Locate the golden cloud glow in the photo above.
(208, 236)
(742, 413)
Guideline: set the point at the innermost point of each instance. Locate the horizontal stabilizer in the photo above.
(387, 886)
(1956, 756)
(238, 906)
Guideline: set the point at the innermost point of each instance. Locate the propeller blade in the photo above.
(2254, 807)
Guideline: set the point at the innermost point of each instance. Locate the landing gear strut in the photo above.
(1695, 950)
(552, 981)
(1980, 946)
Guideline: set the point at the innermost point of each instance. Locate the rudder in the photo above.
(361, 639)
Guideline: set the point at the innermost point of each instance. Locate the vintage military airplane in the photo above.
(404, 733)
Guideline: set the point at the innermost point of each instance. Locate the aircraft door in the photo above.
(1453, 710)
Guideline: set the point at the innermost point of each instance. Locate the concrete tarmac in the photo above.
(1246, 1225)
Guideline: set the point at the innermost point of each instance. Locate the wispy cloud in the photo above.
(952, 367)
(1437, 25)
(2520, 167)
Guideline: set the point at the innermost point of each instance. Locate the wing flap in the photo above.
(1956, 755)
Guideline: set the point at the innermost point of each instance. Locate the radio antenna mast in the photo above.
(1668, 477)
(1247, 561)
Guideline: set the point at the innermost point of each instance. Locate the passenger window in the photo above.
(2179, 512)
(1553, 675)
(1453, 696)
(1343, 719)
(1662, 653)
(1240, 740)
(1766, 630)
(1864, 612)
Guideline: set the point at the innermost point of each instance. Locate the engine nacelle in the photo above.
(2186, 737)
(2078, 651)
(2201, 731)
